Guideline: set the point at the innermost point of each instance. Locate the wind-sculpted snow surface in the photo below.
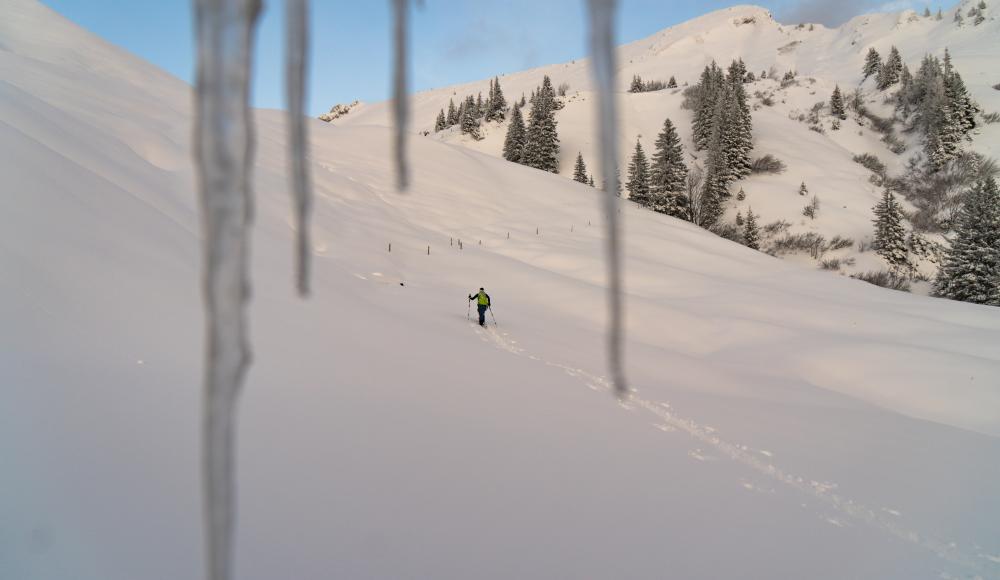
(817, 427)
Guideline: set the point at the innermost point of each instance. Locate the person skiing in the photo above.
(482, 304)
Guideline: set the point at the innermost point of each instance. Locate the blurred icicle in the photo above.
(400, 105)
(223, 149)
(297, 39)
(602, 21)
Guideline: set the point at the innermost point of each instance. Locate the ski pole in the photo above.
(468, 315)
(492, 316)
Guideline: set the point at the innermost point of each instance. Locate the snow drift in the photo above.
(785, 423)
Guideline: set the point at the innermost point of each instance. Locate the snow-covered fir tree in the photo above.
(970, 270)
(638, 177)
(590, 180)
(741, 141)
(705, 95)
(927, 11)
(751, 231)
(497, 109)
(513, 145)
(937, 103)
(890, 233)
(636, 86)
(888, 74)
(452, 117)
(803, 190)
(672, 83)
(580, 169)
(480, 110)
(541, 149)
(837, 104)
(441, 123)
(668, 173)
(470, 119)
(959, 19)
(873, 64)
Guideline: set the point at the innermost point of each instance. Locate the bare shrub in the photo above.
(729, 231)
(768, 164)
(839, 242)
(871, 163)
(810, 242)
(990, 118)
(776, 227)
(563, 88)
(894, 143)
(812, 209)
(884, 279)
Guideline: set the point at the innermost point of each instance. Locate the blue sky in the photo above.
(453, 41)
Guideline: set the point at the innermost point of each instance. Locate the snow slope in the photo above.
(823, 58)
(785, 423)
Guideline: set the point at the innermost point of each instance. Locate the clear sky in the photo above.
(452, 40)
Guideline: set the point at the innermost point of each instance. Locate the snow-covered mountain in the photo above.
(785, 423)
(823, 58)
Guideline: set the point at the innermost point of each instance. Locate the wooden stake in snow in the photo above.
(400, 105)
(297, 40)
(223, 152)
(602, 17)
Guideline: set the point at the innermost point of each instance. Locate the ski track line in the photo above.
(758, 460)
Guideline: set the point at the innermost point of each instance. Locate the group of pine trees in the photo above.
(659, 184)
(970, 270)
(886, 73)
(640, 86)
(537, 144)
(472, 111)
(722, 126)
(936, 102)
(977, 13)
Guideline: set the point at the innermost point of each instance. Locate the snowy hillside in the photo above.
(784, 424)
(823, 58)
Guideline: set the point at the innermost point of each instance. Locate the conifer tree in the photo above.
(803, 190)
(668, 173)
(636, 86)
(441, 123)
(580, 169)
(751, 232)
(890, 234)
(590, 180)
(971, 268)
(497, 103)
(452, 113)
(741, 140)
(889, 73)
(513, 145)
(479, 106)
(837, 104)
(708, 88)
(927, 11)
(672, 83)
(541, 149)
(873, 64)
(638, 177)
(939, 16)
(470, 118)
(959, 19)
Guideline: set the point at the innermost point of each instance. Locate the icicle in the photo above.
(399, 100)
(297, 38)
(223, 148)
(602, 15)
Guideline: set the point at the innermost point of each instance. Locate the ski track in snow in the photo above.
(668, 421)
